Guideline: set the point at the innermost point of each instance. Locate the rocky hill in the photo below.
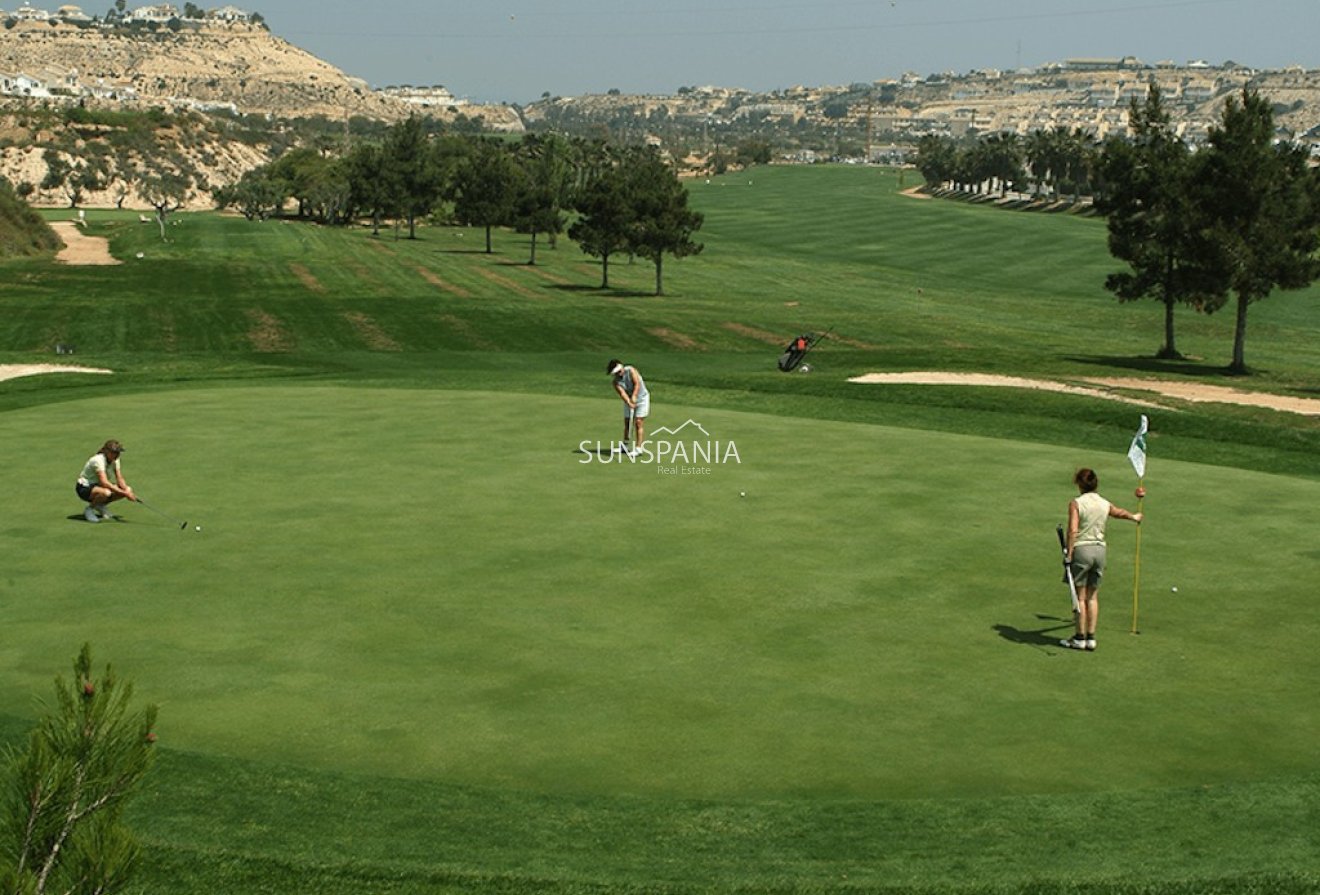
(204, 64)
(50, 67)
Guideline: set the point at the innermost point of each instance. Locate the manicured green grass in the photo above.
(425, 643)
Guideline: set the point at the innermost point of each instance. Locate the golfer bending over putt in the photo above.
(94, 484)
(1087, 515)
(636, 402)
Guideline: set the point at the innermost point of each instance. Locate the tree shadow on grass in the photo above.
(604, 293)
(1170, 366)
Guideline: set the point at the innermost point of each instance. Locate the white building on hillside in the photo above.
(72, 14)
(229, 14)
(426, 97)
(23, 84)
(30, 13)
(160, 13)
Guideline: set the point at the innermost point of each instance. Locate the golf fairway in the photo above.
(440, 585)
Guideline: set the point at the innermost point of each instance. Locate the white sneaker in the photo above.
(105, 512)
(90, 514)
(1073, 643)
(1090, 644)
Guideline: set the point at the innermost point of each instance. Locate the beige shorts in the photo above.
(1088, 564)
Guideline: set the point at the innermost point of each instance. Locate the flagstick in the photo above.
(1136, 574)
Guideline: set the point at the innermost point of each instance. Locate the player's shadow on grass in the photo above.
(603, 450)
(79, 517)
(1047, 636)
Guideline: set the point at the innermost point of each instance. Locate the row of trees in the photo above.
(1231, 222)
(1235, 220)
(612, 201)
(1048, 163)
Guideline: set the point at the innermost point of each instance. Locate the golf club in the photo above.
(181, 523)
(1067, 573)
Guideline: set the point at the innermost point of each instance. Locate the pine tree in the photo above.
(62, 810)
(1259, 202)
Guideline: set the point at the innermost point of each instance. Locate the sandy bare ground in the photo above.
(1185, 391)
(914, 192)
(1103, 388)
(79, 248)
(13, 371)
(1196, 391)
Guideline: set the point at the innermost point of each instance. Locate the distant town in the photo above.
(877, 120)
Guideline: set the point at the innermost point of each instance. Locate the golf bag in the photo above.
(796, 350)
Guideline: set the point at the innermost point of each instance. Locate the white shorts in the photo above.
(643, 408)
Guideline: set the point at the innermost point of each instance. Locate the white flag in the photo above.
(1137, 452)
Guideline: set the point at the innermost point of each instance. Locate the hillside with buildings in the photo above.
(66, 75)
(218, 59)
(885, 118)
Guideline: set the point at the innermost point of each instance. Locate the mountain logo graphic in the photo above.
(665, 430)
(687, 449)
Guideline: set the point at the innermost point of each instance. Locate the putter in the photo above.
(1067, 573)
(181, 523)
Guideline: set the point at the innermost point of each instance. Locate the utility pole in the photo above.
(870, 99)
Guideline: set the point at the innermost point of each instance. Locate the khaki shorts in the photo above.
(643, 408)
(1088, 564)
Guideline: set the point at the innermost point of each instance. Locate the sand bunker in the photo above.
(13, 371)
(1186, 391)
(79, 248)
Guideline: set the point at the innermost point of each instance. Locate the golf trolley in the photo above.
(797, 349)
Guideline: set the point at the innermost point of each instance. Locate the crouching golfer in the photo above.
(1087, 515)
(95, 485)
(636, 402)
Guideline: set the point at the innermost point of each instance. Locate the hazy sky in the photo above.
(515, 50)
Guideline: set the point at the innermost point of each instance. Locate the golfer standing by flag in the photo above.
(636, 402)
(1087, 515)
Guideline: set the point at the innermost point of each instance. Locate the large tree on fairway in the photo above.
(606, 218)
(63, 805)
(1261, 208)
(166, 192)
(409, 167)
(1152, 224)
(486, 187)
(301, 172)
(546, 189)
(257, 195)
(373, 187)
(662, 222)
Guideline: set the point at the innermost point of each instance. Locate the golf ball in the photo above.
(199, 528)
(742, 493)
(1174, 589)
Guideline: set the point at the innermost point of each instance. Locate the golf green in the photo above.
(445, 585)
